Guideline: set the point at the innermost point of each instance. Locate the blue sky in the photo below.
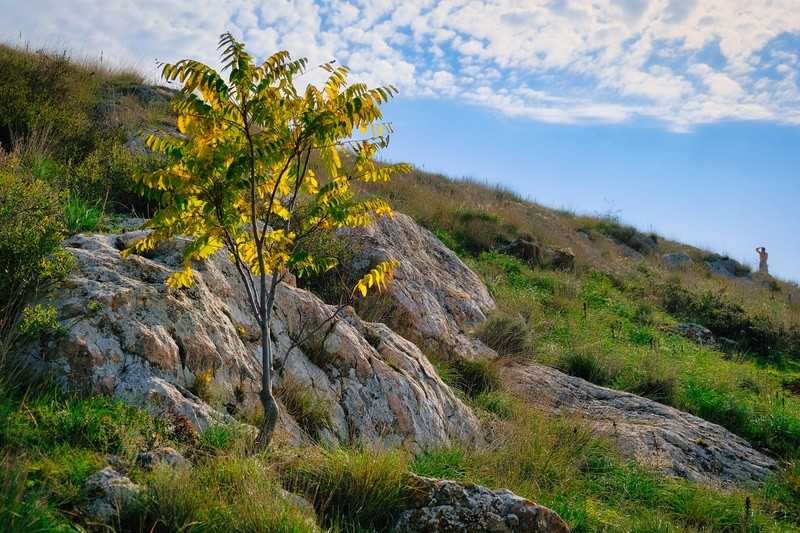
(678, 116)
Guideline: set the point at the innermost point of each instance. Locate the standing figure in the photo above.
(762, 259)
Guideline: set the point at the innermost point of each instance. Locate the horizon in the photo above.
(675, 116)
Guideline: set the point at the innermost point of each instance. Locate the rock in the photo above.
(107, 494)
(629, 252)
(695, 332)
(729, 268)
(192, 356)
(443, 506)
(164, 455)
(538, 255)
(656, 436)
(436, 299)
(676, 260)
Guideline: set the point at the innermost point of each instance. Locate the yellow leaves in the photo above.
(181, 279)
(377, 277)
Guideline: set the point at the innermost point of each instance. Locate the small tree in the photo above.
(238, 175)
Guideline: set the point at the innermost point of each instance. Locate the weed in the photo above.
(448, 463)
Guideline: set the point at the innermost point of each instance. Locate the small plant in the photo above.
(82, 216)
(349, 488)
(476, 376)
(447, 463)
(310, 411)
(496, 403)
(508, 336)
(587, 364)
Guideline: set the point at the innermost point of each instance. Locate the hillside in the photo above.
(627, 382)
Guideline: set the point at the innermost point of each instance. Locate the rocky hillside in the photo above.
(620, 380)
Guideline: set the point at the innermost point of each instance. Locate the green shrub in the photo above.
(755, 333)
(477, 376)
(31, 231)
(218, 494)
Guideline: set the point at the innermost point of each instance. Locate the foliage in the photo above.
(31, 230)
(757, 333)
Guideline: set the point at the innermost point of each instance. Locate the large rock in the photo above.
(538, 255)
(108, 493)
(193, 355)
(437, 299)
(655, 435)
(729, 268)
(443, 506)
(676, 260)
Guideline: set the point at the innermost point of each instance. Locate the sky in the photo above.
(680, 117)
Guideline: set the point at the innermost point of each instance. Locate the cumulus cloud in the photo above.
(684, 62)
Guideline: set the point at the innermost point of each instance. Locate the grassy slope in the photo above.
(604, 320)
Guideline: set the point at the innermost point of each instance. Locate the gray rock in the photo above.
(538, 255)
(193, 356)
(676, 260)
(695, 332)
(442, 506)
(164, 455)
(656, 436)
(436, 298)
(727, 267)
(107, 494)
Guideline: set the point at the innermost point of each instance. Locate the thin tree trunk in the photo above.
(267, 398)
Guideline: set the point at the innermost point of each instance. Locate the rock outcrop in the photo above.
(436, 298)
(193, 355)
(538, 255)
(729, 268)
(676, 260)
(695, 333)
(655, 435)
(443, 506)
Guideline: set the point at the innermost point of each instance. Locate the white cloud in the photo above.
(683, 62)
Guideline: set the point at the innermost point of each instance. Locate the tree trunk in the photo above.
(267, 398)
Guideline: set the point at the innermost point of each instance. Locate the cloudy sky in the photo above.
(678, 116)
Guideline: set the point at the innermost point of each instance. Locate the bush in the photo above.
(31, 231)
(756, 333)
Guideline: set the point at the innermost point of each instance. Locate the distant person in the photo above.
(762, 259)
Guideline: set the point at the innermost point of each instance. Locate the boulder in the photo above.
(654, 435)
(729, 268)
(442, 506)
(436, 299)
(164, 455)
(193, 355)
(107, 494)
(695, 333)
(538, 255)
(676, 260)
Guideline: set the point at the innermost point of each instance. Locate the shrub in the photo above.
(476, 376)
(756, 333)
(30, 236)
